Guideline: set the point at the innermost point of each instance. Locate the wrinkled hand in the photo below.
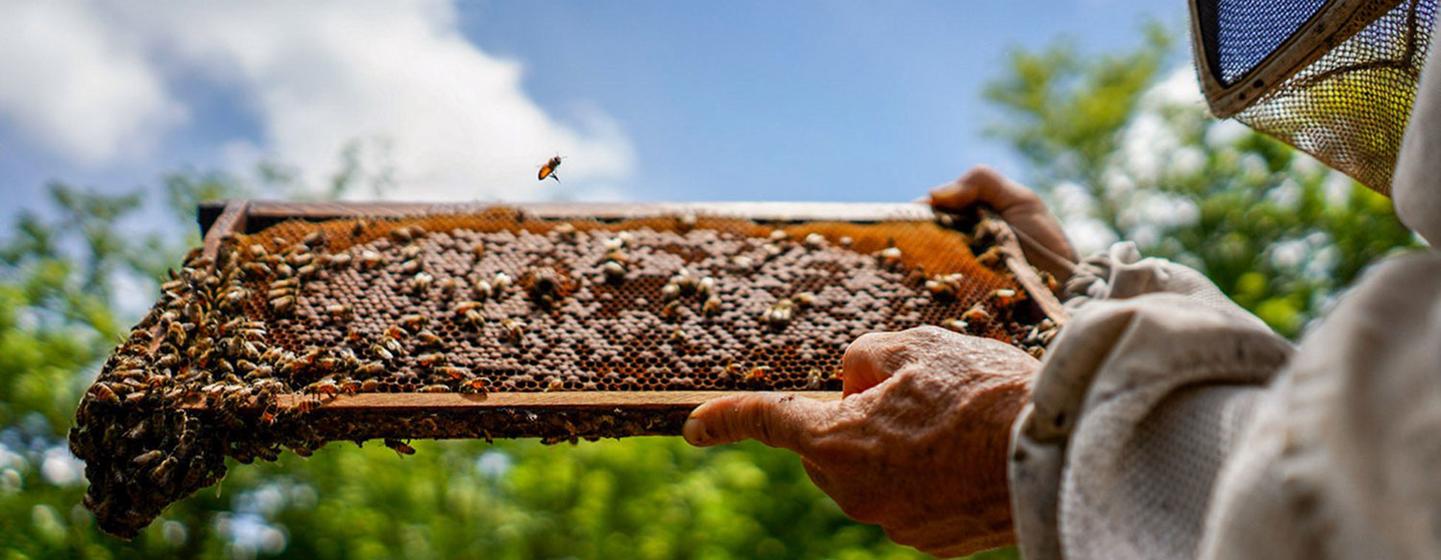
(918, 445)
(1019, 206)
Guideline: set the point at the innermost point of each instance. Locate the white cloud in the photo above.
(398, 78)
(77, 86)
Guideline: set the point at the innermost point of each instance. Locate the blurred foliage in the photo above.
(1274, 230)
(1125, 151)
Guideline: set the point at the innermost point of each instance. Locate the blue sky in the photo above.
(747, 100)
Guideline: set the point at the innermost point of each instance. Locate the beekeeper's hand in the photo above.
(918, 445)
(1019, 206)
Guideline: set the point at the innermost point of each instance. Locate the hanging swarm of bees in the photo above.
(496, 302)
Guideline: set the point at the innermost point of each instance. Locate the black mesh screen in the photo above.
(1350, 107)
(1248, 30)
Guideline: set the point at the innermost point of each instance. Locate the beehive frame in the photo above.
(444, 415)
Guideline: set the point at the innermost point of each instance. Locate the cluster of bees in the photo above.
(199, 378)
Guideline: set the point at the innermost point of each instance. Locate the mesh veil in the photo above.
(1334, 78)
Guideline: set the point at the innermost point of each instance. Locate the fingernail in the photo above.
(694, 432)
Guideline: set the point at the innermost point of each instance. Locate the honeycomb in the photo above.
(499, 302)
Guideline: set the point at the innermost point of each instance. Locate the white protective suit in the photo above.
(1169, 423)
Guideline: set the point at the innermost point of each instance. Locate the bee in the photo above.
(300, 259)
(401, 234)
(369, 386)
(371, 369)
(176, 333)
(685, 281)
(956, 325)
(711, 306)
(285, 283)
(804, 299)
(261, 372)
(400, 447)
(282, 304)
(779, 235)
(410, 267)
(338, 310)
(481, 289)
(614, 271)
(410, 252)
(501, 282)
(513, 330)
(422, 281)
(946, 286)
(381, 352)
(314, 239)
(358, 229)
(555, 384)
(548, 170)
(671, 310)
(256, 269)
(705, 287)
(340, 260)
(370, 259)
(308, 271)
(284, 270)
(258, 251)
(815, 240)
(428, 339)
(991, 258)
(614, 244)
(891, 256)
(411, 322)
(278, 293)
(161, 473)
(1005, 297)
(815, 379)
(431, 359)
(236, 296)
(758, 374)
(669, 292)
(474, 318)
(104, 393)
(437, 388)
(323, 387)
(477, 250)
(779, 314)
(473, 386)
(308, 404)
(454, 372)
(449, 286)
(976, 314)
(743, 263)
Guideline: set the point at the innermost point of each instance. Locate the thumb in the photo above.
(775, 419)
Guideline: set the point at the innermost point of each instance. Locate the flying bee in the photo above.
(548, 170)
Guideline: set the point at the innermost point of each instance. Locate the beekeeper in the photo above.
(1165, 421)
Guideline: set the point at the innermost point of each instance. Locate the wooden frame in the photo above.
(218, 219)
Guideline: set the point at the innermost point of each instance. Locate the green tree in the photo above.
(1121, 145)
